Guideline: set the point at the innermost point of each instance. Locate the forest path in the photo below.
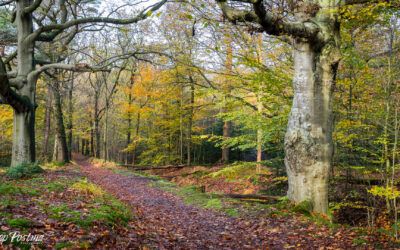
(171, 223)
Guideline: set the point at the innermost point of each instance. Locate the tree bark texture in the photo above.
(62, 154)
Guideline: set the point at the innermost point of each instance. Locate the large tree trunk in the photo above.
(24, 118)
(23, 149)
(308, 141)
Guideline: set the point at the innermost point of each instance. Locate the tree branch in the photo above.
(10, 57)
(32, 7)
(55, 29)
(384, 53)
(7, 95)
(353, 2)
(273, 25)
(80, 67)
(6, 2)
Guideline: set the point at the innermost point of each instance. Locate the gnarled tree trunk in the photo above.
(308, 141)
(24, 117)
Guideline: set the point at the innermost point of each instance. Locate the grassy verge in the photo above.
(65, 208)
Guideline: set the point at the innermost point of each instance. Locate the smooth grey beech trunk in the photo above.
(308, 140)
(23, 149)
(24, 119)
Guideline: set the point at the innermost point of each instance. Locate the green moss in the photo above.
(54, 186)
(214, 203)
(107, 210)
(8, 189)
(304, 207)
(63, 245)
(359, 241)
(85, 245)
(19, 222)
(232, 212)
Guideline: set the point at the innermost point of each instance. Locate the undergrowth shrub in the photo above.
(24, 170)
(88, 189)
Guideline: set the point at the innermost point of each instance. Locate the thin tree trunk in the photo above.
(191, 114)
(70, 116)
(77, 147)
(394, 153)
(387, 113)
(129, 119)
(349, 117)
(55, 150)
(396, 134)
(181, 126)
(87, 147)
(226, 134)
(259, 108)
(96, 125)
(91, 138)
(62, 154)
(136, 139)
(259, 137)
(47, 121)
(83, 146)
(227, 124)
(128, 139)
(105, 133)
